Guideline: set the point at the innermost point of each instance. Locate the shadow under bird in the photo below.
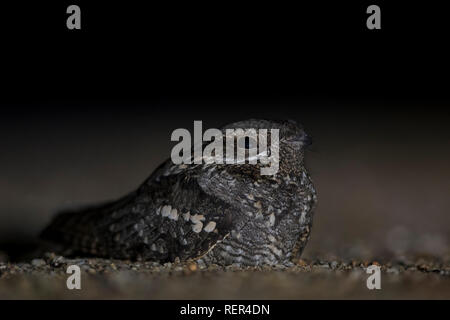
(216, 213)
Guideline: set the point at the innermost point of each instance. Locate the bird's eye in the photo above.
(247, 143)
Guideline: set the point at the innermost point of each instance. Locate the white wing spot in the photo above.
(210, 226)
(173, 214)
(165, 211)
(197, 218)
(197, 227)
(186, 216)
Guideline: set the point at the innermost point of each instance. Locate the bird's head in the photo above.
(277, 146)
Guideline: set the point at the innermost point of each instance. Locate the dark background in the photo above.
(87, 115)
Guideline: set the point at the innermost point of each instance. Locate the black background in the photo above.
(136, 51)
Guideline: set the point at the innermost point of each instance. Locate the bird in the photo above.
(214, 213)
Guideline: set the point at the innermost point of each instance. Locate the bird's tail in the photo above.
(82, 230)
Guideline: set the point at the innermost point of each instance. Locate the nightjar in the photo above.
(217, 213)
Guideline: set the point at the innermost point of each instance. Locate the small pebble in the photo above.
(192, 266)
(38, 262)
(92, 271)
(302, 263)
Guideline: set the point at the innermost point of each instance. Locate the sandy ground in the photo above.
(404, 278)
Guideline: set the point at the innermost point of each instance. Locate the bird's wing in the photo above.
(169, 216)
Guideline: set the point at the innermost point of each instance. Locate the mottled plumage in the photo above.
(219, 213)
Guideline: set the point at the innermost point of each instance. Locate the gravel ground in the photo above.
(403, 278)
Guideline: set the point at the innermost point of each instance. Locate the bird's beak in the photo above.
(300, 141)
